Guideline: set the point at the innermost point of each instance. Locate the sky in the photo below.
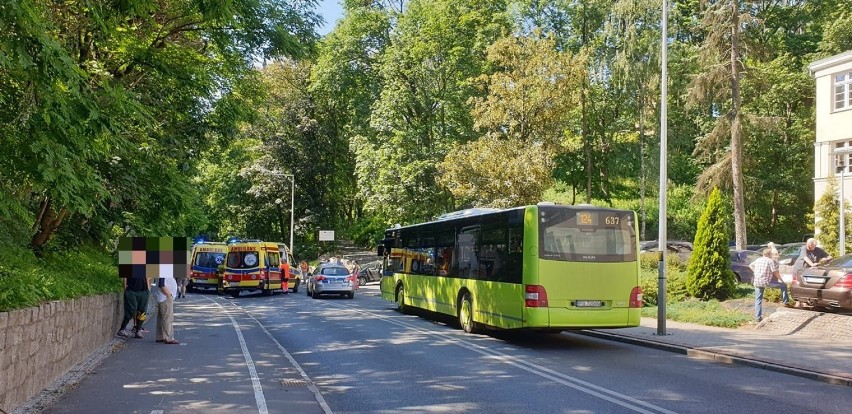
(330, 10)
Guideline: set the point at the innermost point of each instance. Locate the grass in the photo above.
(732, 313)
(711, 313)
(30, 281)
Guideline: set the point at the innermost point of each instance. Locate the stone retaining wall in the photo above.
(38, 345)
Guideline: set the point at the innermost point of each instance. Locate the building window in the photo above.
(843, 91)
(843, 157)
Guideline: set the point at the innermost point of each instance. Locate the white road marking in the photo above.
(518, 362)
(317, 395)
(255, 380)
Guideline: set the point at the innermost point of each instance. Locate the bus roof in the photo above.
(473, 212)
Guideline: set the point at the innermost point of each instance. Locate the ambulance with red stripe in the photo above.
(205, 260)
(253, 265)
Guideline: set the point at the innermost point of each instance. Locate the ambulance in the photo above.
(205, 260)
(254, 265)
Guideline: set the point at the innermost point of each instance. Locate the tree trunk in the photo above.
(736, 131)
(46, 225)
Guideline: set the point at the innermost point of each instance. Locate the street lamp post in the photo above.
(278, 202)
(292, 204)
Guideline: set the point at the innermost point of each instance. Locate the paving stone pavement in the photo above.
(794, 341)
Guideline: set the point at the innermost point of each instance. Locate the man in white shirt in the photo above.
(166, 292)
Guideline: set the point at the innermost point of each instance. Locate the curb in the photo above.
(720, 357)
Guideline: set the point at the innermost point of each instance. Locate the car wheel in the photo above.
(466, 315)
(296, 287)
(350, 295)
(362, 280)
(235, 293)
(315, 295)
(400, 299)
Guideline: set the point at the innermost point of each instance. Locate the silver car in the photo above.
(331, 278)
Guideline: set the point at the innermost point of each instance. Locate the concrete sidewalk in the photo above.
(798, 342)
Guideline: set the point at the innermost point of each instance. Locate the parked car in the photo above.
(683, 249)
(826, 286)
(787, 255)
(740, 261)
(371, 272)
(331, 278)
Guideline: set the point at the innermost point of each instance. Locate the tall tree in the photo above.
(104, 89)
(721, 56)
(422, 110)
(523, 117)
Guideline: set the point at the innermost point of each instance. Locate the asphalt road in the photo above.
(294, 354)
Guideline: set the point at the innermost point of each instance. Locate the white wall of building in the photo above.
(833, 126)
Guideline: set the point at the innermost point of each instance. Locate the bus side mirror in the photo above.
(381, 250)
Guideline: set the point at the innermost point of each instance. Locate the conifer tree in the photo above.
(827, 211)
(709, 273)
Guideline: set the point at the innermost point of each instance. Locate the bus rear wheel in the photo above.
(400, 299)
(466, 315)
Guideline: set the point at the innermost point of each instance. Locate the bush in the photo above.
(29, 281)
(675, 285)
(709, 273)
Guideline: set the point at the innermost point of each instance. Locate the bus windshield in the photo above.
(586, 235)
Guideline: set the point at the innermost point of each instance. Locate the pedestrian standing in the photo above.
(165, 293)
(135, 305)
(181, 283)
(766, 275)
(356, 268)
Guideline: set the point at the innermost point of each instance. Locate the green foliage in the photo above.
(827, 210)
(675, 284)
(709, 273)
(523, 118)
(30, 281)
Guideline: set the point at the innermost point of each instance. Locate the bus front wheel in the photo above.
(466, 315)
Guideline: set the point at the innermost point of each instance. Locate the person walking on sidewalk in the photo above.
(166, 293)
(766, 275)
(135, 305)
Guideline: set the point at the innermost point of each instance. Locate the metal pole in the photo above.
(842, 213)
(292, 203)
(662, 241)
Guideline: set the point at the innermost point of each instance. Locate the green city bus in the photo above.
(544, 267)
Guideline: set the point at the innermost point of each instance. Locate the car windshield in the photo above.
(751, 256)
(334, 271)
(793, 249)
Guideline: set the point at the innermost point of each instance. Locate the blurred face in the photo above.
(811, 245)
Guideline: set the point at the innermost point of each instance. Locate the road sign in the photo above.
(326, 235)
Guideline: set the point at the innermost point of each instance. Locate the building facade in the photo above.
(833, 146)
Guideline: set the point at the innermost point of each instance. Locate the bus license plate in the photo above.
(588, 303)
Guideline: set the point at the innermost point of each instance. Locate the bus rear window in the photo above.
(586, 235)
